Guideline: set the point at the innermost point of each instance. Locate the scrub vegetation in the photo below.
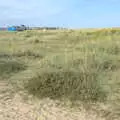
(74, 65)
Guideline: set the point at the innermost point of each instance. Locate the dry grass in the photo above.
(80, 65)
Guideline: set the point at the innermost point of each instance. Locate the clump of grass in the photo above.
(81, 81)
(28, 35)
(28, 53)
(68, 84)
(36, 41)
(114, 50)
(8, 67)
(4, 55)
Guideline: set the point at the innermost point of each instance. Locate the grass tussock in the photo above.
(78, 79)
(66, 84)
(28, 54)
(8, 67)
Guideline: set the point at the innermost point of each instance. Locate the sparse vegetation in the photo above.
(82, 65)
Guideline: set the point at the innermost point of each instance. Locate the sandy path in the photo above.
(13, 107)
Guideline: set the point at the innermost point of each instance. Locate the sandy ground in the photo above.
(14, 107)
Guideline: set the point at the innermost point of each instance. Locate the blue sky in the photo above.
(63, 13)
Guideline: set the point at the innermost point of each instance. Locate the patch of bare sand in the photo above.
(14, 107)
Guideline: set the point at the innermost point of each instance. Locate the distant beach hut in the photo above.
(12, 28)
(17, 28)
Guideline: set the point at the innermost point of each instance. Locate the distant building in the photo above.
(17, 28)
(13, 28)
